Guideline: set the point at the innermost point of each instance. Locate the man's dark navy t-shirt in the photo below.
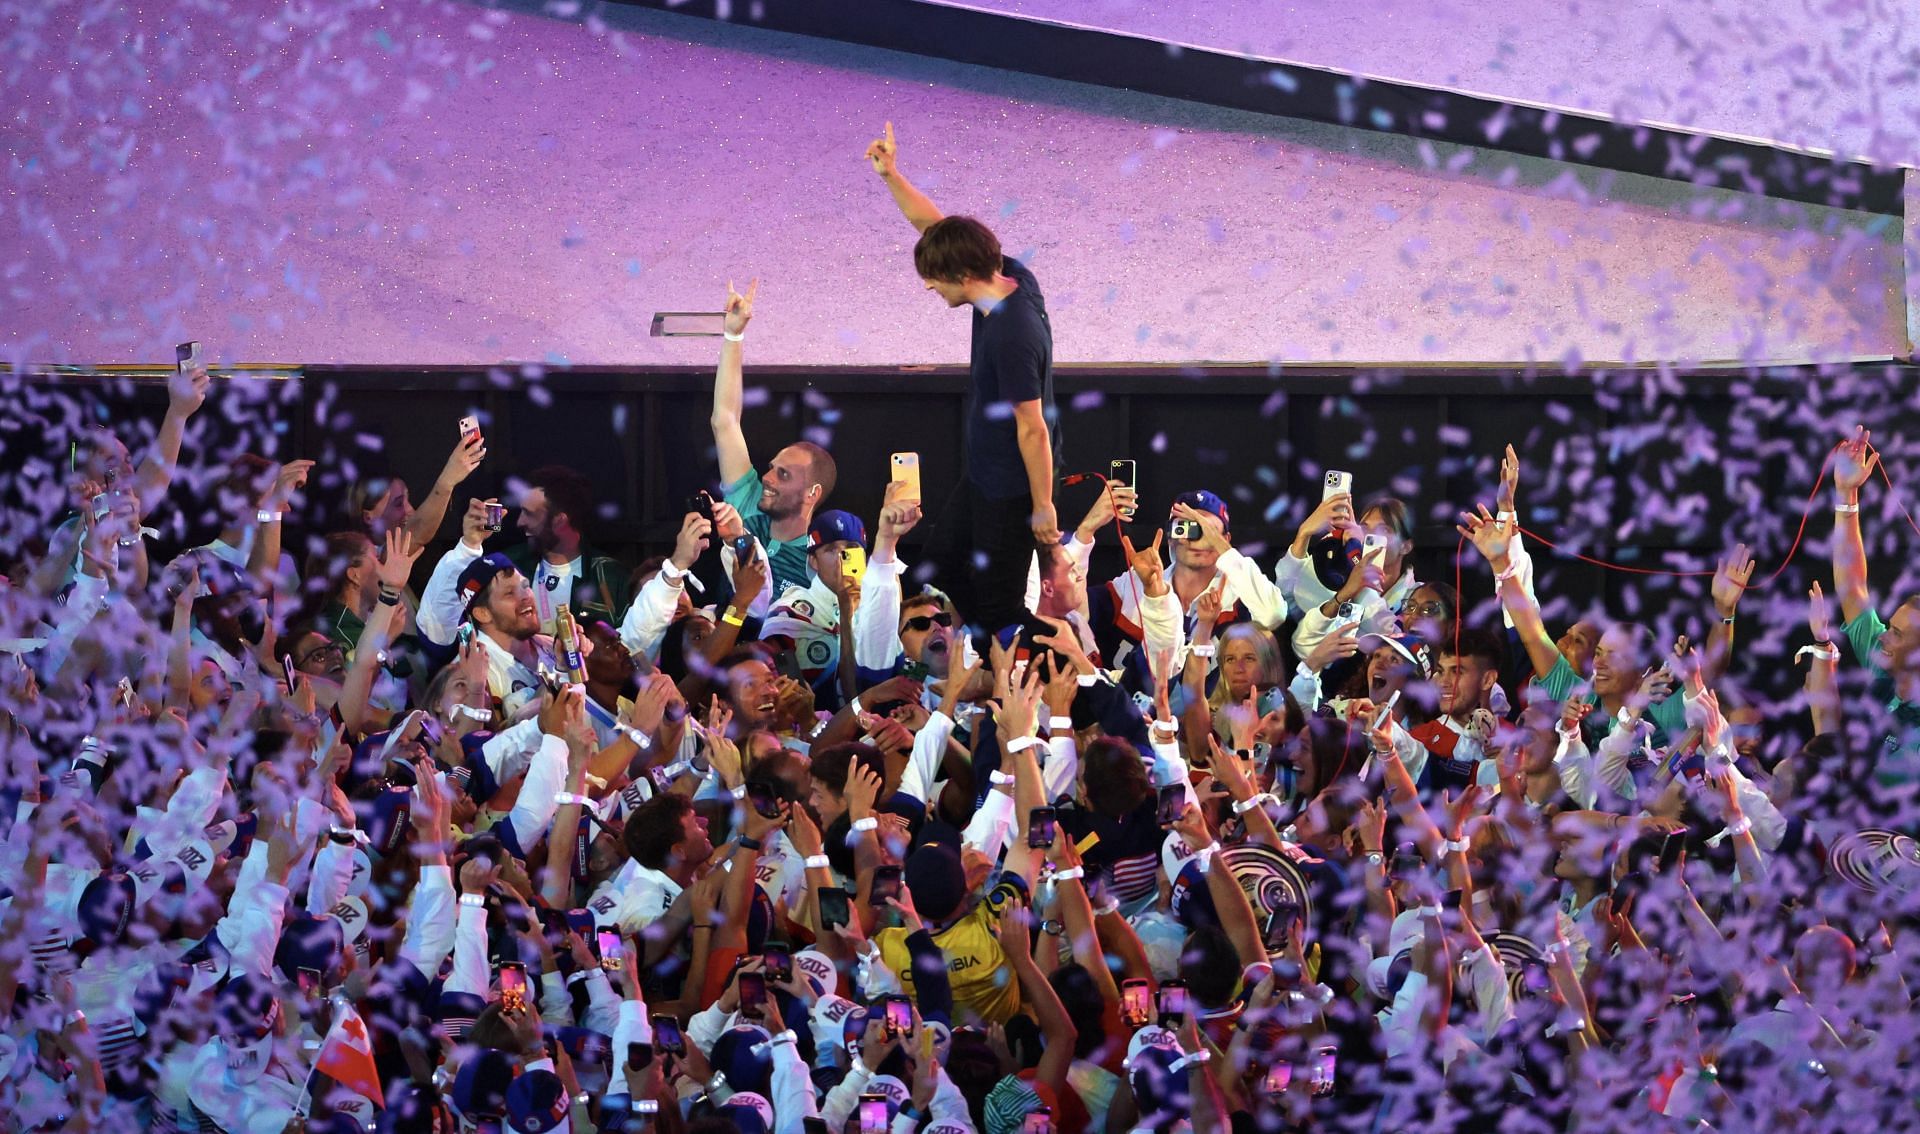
(1012, 362)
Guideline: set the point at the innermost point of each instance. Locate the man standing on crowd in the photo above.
(776, 508)
(1006, 503)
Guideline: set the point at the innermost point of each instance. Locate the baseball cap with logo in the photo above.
(833, 526)
(537, 1103)
(818, 970)
(750, 1111)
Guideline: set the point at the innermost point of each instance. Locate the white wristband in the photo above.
(640, 739)
(473, 899)
(1847, 509)
(1060, 724)
(1205, 857)
(733, 338)
(1825, 651)
(1070, 874)
(1001, 777)
(739, 792)
(1186, 1061)
(1202, 649)
(1505, 517)
(566, 797)
(266, 517)
(1024, 743)
(818, 862)
(1512, 570)
(1740, 826)
(1453, 846)
(867, 824)
(1253, 801)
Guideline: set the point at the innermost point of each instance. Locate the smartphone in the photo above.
(1374, 548)
(1280, 924)
(513, 986)
(1040, 827)
(125, 694)
(776, 960)
(1670, 849)
(886, 885)
(639, 1055)
(753, 993)
(1123, 473)
(186, 356)
(1136, 1002)
(1172, 804)
(813, 1126)
(667, 1035)
(873, 1114)
(906, 470)
(763, 800)
(853, 563)
(1338, 483)
(469, 428)
(1386, 710)
(701, 502)
(1039, 1121)
(1451, 899)
(836, 908)
(1322, 1072)
(309, 980)
(608, 945)
(1173, 1002)
(899, 1015)
(1184, 529)
(496, 515)
(1276, 1079)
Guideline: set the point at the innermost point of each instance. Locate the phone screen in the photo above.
(1122, 473)
(1323, 1068)
(886, 885)
(1173, 1000)
(186, 356)
(836, 907)
(1277, 1077)
(608, 941)
(1676, 842)
(1172, 804)
(1038, 1122)
(667, 1035)
(513, 985)
(1136, 1002)
(1040, 827)
(777, 962)
(753, 992)
(873, 1114)
(899, 1015)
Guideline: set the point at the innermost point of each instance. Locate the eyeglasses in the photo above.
(317, 651)
(1428, 609)
(920, 623)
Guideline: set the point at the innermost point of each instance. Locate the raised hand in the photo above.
(465, 458)
(1730, 580)
(882, 153)
(1206, 608)
(1213, 533)
(740, 307)
(1333, 512)
(396, 565)
(1016, 716)
(1489, 536)
(187, 390)
(1819, 615)
(749, 579)
(1853, 463)
(473, 523)
(1146, 564)
(691, 541)
(1509, 480)
(290, 477)
(1340, 642)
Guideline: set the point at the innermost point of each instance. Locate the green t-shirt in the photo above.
(788, 558)
(1899, 761)
(1668, 717)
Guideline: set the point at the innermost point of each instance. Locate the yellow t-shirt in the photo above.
(983, 983)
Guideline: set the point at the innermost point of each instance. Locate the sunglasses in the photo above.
(923, 622)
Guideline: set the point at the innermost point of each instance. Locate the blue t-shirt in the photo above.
(1012, 363)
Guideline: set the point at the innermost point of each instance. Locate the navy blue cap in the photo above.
(457, 1011)
(105, 907)
(1408, 647)
(477, 575)
(834, 525)
(481, 1088)
(734, 1055)
(537, 1102)
(1205, 501)
(309, 942)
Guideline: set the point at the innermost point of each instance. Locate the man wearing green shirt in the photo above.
(1889, 649)
(776, 507)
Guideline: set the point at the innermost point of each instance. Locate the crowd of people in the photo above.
(528, 838)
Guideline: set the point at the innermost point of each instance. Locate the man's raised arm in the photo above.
(914, 205)
(1853, 465)
(728, 440)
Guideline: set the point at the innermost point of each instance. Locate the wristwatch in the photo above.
(1054, 926)
(1375, 858)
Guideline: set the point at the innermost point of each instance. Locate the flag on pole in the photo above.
(346, 1056)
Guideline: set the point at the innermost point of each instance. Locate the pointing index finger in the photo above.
(889, 133)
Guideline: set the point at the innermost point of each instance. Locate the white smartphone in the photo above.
(186, 356)
(906, 470)
(1338, 484)
(469, 427)
(1373, 549)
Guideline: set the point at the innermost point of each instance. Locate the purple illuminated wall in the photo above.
(443, 183)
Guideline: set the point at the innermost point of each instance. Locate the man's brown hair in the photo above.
(956, 249)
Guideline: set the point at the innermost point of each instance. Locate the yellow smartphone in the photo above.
(853, 563)
(906, 470)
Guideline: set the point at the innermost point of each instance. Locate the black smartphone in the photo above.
(1173, 1002)
(776, 961)
(761, 796)
(1122, 473)
(1280, 924)
(1172, 804)
(1040, 827)
(1136, 1002)
(899, 1015)
(701, 502)
(1676, 842)
(667, 1035)
(753, 993)
(886, 885)
(639, 1055)
(813, 1126)
(836, 907)
(1451, 899)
